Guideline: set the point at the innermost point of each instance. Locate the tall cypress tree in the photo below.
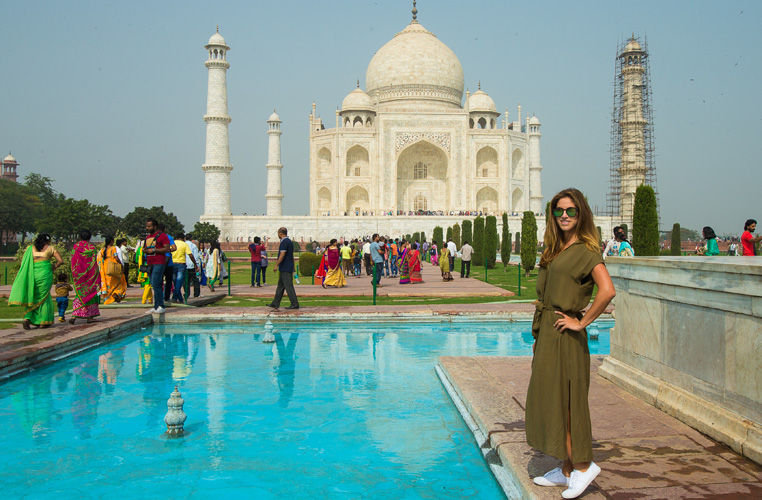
(456, 235)
(423, 236)
(437, 236)
(505, 246)
(645, 222)
(676, 247)
(467, 234)
(478, 244)
(490, 241)
(517, 245)
(528, 241)
(449, 234)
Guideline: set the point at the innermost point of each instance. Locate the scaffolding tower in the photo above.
(632, 155)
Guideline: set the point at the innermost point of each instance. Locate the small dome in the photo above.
(357, 100)
(274, 117)
(9, 159)
(480, 101)
(217, 39)
(633, 46)
(534, 121)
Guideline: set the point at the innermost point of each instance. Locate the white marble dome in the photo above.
(415, 65)
(357, 100)
(274, 117)
(633, 46)
(217, 39)
(480, 101)
(9, 159)
(534, 121)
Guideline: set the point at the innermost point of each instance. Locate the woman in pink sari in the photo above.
(87, 279)
(415, 266)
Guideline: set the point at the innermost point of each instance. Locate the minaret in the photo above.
(535, 167)
(632, 172)
(217, 165)
(274, 194)
(9, 168)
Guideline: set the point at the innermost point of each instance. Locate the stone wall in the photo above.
(688, 339)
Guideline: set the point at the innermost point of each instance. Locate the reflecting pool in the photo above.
(331, 410)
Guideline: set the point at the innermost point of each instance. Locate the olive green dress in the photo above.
(561, 366)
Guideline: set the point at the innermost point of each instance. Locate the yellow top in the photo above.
(178, 256)
(346, 252)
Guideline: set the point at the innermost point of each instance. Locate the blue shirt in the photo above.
(169, 254)
(375, 254)
(287, 264)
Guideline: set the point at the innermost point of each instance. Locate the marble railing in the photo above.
(688, 339)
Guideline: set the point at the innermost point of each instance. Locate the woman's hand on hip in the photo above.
(567, 323)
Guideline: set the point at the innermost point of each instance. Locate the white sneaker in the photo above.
(553, 478)
(579, 481)
(159, 310)
(150, 311)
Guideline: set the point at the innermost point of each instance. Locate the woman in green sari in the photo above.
(31, 288)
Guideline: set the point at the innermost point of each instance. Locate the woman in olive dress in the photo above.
(557, 412)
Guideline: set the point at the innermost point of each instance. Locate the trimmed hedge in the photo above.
(676, 247)
(456, 235)
(528, 242)
(478, 244)
(490, 241)
(645, 222)
(307, 260)
(505, 247)
(437, 236)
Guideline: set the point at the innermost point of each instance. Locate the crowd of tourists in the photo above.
(99, 276)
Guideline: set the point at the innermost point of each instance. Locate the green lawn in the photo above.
(506, 278)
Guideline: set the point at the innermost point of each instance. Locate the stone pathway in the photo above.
(643, 452)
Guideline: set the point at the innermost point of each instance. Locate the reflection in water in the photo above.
(109, 366)
(34, 408)
(85, 397)
(285, 368)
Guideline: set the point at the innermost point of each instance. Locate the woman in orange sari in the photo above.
(113, 283)
(415, 266)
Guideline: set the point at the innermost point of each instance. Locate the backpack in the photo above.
(223, 257)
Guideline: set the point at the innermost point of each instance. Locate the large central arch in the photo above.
(422, 173)
(357, 200)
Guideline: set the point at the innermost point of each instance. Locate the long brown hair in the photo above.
(585, 230)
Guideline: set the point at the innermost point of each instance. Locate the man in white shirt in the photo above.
(466, 251)
(453, 250)
(190, 264)
(123, 252)
(366, 258)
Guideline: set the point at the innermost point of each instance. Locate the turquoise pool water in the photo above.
(330, 410)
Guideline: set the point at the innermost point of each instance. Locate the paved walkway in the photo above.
(432, 286)
(643, 452)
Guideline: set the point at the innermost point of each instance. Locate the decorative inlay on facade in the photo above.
(216, 118)
(420, 91)
(403, 139)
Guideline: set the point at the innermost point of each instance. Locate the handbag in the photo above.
(113, 268)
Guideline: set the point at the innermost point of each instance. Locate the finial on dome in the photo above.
(480, 84)
(358, 83)
(415, 13)
(218, 28)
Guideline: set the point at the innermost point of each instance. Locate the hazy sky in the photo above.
(108, 98)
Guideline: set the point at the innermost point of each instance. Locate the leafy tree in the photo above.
(675, 247)
(437, 236)
(478, 256)
(505, 247)
(18, 206)
(206, 232)
(71, 216)
(467, 235)
(449, 234)
(528, 242)
(456, 235)
(490, 241)
(135, 221)
(645, 222)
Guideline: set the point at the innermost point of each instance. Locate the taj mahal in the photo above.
(409, 152)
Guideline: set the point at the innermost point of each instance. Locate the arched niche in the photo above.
(324, 169)
(486, 200)
(358, 162)
(486, 162)
(517, 200)
(422, 169)
(517, 164)
(324, 199)
(358, 200)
